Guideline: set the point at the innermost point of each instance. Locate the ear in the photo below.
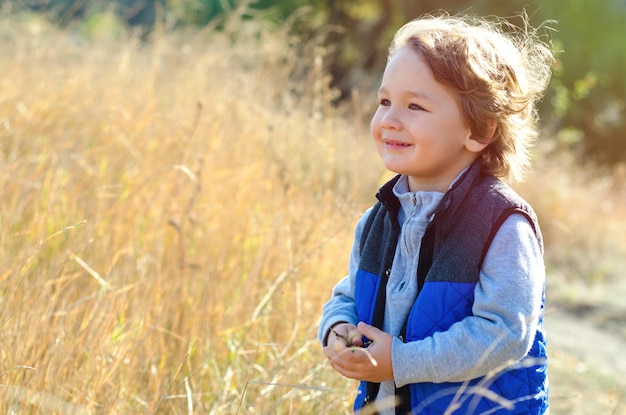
(476, 144)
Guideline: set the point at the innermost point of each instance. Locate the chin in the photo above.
(392, 167)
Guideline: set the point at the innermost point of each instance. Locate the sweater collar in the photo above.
(451, 202)
(387, 198)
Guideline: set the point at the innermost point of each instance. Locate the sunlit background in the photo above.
(180, 181)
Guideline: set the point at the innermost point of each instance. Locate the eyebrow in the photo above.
(415, 94)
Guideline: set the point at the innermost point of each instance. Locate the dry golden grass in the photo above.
(173, 216)
(582, 216)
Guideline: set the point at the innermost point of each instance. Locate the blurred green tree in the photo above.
(587, 99)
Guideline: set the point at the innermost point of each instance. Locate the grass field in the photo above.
(174, 215)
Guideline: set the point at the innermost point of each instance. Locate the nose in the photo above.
(389, 120)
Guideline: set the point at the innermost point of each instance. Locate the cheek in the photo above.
(375, 126)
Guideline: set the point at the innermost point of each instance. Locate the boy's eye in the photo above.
(384, 102)
(415, 107)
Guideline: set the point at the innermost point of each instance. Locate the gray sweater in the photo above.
(507, 301)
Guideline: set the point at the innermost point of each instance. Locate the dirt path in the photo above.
(591, 334)
(586, 327)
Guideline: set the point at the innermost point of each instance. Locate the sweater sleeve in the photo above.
(505, 314)
(341, 306)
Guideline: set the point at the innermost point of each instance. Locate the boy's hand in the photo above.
(371, 364)
(346, 334)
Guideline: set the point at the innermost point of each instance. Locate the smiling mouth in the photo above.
(395, 144)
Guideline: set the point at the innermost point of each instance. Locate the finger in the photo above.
(342, 329)
(336, 350)
(329, 353)
(350, 370)
(349, 361)
(358, 357)
(354, 337)
(344, 368)
(369, 331)
(337, 363)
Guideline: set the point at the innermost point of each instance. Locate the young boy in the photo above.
(442, 308)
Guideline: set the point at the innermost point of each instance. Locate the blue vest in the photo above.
(452, 251)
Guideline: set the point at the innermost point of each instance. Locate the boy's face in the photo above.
(418, 127)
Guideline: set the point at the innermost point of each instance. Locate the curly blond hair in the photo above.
(498, 72)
